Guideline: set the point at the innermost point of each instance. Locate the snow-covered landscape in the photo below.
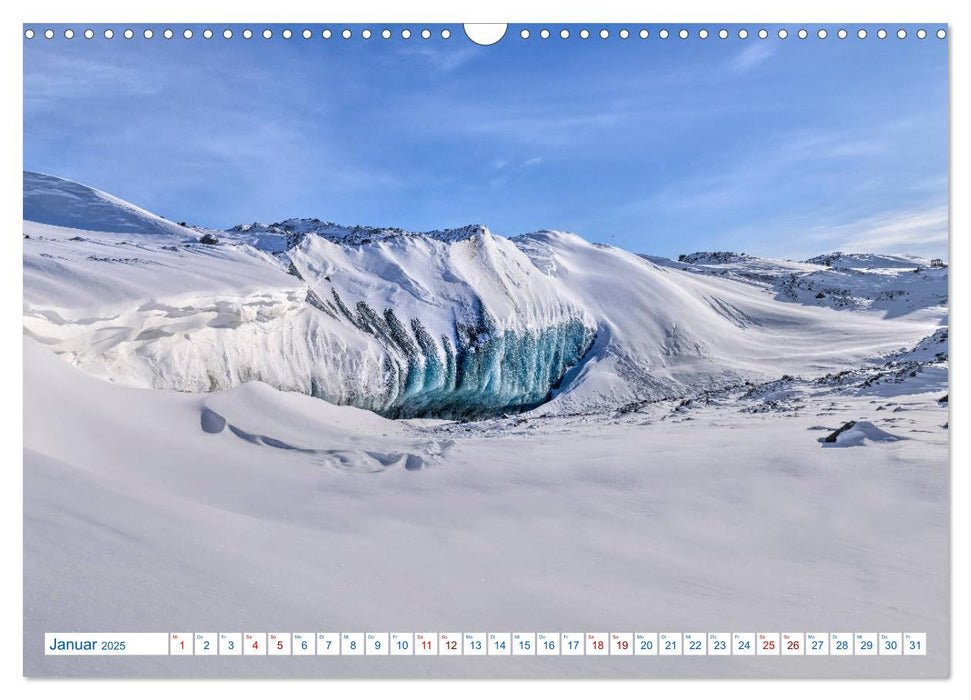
(307, 424)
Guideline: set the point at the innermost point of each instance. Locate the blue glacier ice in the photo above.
(478, 372)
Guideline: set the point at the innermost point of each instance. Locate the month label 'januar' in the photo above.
(106, 644)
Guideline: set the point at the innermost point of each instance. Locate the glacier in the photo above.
(197, 412)
(476, 371)
(456, 324)
(452, 324)
(467, 328)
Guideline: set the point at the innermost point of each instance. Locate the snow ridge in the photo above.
(457, 323)
(284, 235)
(891, 284)
(54, 200)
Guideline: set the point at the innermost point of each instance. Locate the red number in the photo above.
(768, 645)
(256, 645)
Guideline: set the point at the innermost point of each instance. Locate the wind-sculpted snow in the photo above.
(336, 345)
(453, 324)
(60, 202)
(445, 326)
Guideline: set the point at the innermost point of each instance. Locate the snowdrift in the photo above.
(60, 202)
(857, 434)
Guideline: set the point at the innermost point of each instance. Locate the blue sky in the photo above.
(776, 147)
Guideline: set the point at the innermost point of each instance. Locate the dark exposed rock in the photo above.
(836, 433)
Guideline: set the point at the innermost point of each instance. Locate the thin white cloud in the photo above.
(510, 172)
(906, 231)
(445, 60)
(920, 229)
(734, 181)
(750, 57)
(57, 77)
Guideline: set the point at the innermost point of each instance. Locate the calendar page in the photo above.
(605, 350)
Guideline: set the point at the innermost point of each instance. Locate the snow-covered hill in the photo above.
(892, 284)
(457, 323)
(59, 202)
(286, 234)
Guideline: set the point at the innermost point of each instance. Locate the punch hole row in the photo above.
(447, 33)
(725, 33)
(245, 34)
